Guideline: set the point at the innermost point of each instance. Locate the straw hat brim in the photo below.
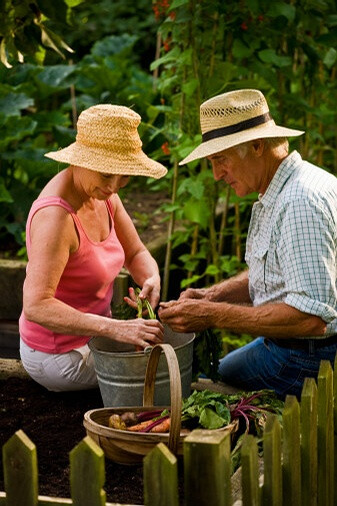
(134, 164)
(221, 143)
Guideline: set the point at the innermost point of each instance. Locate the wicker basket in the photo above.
(125, 447)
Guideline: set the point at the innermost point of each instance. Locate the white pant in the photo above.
(59, 372)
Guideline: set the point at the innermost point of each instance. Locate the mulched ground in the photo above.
(53, 421)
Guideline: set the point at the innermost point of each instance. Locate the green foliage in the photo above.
(209, 408)
(35, 117)
(24, 27)
(285, 49)
(213, 410)
(207, 351)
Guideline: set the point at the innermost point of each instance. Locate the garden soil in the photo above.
(54, 422)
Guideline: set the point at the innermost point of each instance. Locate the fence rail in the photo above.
(298, 462)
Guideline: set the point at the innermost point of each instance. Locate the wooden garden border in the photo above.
(298, 462)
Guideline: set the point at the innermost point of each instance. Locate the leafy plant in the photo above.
(213, 410)
(25, 30)
(288, 51)
(207, 350)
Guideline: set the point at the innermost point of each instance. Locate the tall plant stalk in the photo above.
(223, 223)
(170, 230)
(237, 231)
(168, 255)
(194, 246)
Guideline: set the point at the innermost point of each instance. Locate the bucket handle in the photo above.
(175, 389)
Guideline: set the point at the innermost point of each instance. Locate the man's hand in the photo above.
(185, 315)
(193, 293)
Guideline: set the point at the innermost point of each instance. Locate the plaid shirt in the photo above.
(292, 241)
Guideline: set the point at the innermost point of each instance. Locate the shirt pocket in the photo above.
(257, 270)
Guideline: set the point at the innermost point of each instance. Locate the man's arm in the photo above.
(233, 290)
(270, 320)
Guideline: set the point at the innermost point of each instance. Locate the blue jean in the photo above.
(262, 364)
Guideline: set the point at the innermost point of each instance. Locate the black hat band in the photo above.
(238, 127)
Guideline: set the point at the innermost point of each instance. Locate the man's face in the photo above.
(241, 174)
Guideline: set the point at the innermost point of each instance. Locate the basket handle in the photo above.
(175, 389)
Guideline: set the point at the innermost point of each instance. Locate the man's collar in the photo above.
(284, 171)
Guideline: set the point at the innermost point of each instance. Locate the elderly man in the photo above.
(288, 295)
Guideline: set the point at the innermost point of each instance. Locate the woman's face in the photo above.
(100, 185)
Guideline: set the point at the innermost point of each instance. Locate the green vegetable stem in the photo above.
(143, 304)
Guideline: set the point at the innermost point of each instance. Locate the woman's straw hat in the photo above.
(107, 141)
(233, 118)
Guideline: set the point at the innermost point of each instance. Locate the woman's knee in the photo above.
(60, 372)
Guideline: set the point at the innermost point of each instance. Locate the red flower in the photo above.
(156, 11)
(166, 45)
(244, 26)
(165, 148)
(160, 7)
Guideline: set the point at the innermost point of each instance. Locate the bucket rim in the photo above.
(144, 352)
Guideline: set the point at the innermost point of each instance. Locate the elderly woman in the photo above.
(79, 236)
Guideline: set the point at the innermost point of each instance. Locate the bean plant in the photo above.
(284, 48)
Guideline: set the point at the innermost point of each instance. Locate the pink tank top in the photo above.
(86, 283)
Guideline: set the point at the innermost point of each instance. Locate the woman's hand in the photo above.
(139, 332)
(150, 291)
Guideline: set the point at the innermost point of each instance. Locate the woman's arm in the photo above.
(138, 260)
(53, 239)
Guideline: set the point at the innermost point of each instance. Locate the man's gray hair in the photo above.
(270, 142)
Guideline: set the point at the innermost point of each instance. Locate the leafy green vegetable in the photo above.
(207, 409)
(211, 420)
(213, 410)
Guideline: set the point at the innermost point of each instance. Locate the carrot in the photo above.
(164, 426)
(139, 426)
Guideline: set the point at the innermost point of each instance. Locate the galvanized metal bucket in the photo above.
(121, 370)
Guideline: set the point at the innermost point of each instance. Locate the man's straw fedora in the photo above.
(107, 141)
(233, 118)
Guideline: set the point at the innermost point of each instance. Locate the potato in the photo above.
(115, 422)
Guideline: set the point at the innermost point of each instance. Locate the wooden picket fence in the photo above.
(298, 462)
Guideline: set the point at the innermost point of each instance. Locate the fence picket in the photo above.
(250, 472)
(87, 474)
(309, 442)
(272, 486)
(160, 470)
(207, 468)
(335, 428)
(20, 471)
(291, 463)
(307, 475)
(325, 435)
